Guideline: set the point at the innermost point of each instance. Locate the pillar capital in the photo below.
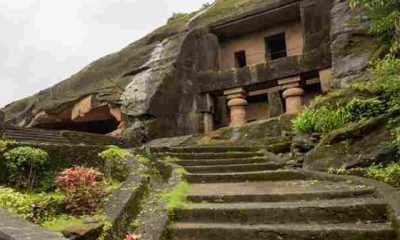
(235, 93)
(237, 102)
(293, 92)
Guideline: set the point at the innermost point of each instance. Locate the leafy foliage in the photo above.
(35, 208)
(81, 186)
(321, 120)
(4, 145)
(16, 202)
(387, 80)
(359, 109)
(389, 174)
(24, 165)
(384, 17)
(115, 163)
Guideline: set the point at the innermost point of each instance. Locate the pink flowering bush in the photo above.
(132, 237)
(81, 186)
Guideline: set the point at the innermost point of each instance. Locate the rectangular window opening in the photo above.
(240, 59)
(276, 46)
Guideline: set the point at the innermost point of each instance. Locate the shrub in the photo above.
(4, 145)
(132, 237)
(115, 163)
(175, 16)
(387, 80)
(389, 174)
(81, 186)
(24, 165)
(359, 109)
(320, 120)
(16, 202)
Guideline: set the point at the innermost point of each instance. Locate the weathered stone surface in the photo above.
(15, 228)
(352, 47)
(274, 133)
(275, 105)
(355, 146)
(1, 123)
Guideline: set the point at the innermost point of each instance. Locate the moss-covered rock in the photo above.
(357, 145)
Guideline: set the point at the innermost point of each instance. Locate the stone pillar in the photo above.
(208, 122)
(207, 109)
(293, 98)
(237, 104)
(325, 77)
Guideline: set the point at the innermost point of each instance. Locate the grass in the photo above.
(177, 197)
(61, 223)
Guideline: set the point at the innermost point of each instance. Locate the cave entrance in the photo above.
(95, 126)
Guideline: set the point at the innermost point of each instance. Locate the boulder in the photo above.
(357, 145)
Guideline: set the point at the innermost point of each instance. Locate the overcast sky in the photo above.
(45, 41)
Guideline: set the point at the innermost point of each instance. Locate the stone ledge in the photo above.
(388, 193)
(16, 228)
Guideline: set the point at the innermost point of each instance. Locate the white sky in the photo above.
(45, 41)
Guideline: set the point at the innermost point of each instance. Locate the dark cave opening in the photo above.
(97, 126)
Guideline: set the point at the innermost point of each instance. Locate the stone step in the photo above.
(206, 149)
(318, 211)
(34, 138)
(29, 132)
(267, 175)
(233, 168)
(274, 191)
(212, 155)
(226, 161)
(31, 136)
(216, 231)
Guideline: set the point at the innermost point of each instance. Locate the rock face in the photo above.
(150, 88)
(358, 145)
(352, 47)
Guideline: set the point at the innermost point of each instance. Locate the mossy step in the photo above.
(275, 191)
(23, 136)
(233, 168)
(212, 155)
(267, 175)
(31, 133)
(206, 149)
(317, 211)
(226, 161)
(213, 231)
(35, 138)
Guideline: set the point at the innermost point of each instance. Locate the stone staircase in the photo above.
(33, 135)
(237, 193)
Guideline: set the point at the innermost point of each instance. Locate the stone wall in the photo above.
(254, 45)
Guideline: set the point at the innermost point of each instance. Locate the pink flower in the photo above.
(132, 237)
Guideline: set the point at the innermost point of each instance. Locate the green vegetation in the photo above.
(384, 17)
(320, 120)
(4, 144)
(389, 174)
(145, 161)
(177, 197)
(24, 165)
(62, 222)
(115, 167)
